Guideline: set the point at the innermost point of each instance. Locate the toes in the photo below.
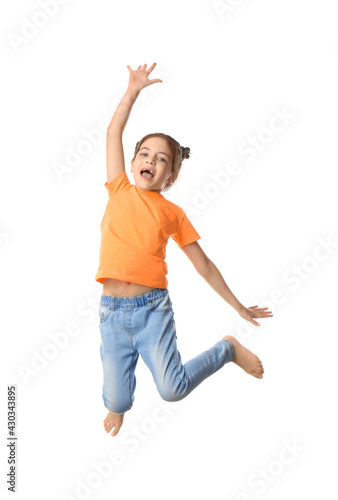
(260, 366)
(107, 425)
(258, 371)
(115, 431)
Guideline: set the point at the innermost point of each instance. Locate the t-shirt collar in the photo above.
(148, 191)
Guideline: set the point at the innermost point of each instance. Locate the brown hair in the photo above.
(179, 154)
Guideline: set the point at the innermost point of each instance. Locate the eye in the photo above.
(162, 159)
(142, 154)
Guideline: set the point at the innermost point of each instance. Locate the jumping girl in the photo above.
(136, 315)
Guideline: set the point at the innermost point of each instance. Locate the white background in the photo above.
(226, 69)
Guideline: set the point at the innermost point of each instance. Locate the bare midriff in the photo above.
(120, 288)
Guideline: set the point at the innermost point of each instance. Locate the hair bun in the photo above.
(185, 153)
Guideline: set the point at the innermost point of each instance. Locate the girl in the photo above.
(136, 315)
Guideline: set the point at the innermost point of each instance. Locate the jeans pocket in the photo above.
(104, 312)
(163, 304)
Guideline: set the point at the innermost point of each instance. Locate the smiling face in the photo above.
(155, 156)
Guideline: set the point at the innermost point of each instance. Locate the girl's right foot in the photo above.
(245, 359)
(113, 420)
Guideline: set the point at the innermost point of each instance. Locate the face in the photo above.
(154, 155)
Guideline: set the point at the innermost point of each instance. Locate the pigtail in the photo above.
(185, 153)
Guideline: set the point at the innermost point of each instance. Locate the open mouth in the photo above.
(148, 174)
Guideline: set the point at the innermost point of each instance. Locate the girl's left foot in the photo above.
(245, 359)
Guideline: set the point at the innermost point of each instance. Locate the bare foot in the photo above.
(246, 359)
(113, 420)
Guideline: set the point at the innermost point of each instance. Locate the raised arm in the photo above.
(138, 80)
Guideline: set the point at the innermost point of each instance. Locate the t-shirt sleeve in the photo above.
(186, 232)
(120, 182)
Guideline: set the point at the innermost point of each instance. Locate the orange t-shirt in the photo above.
(135, 230)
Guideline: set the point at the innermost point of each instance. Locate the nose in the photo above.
(149, 161)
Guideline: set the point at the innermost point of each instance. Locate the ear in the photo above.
(172, 178)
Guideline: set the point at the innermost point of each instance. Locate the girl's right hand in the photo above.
(138, 79)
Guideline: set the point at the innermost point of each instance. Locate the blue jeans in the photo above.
(144, 324)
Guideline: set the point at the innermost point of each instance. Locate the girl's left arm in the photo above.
(207, 269)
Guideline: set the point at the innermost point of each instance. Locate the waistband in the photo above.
(114, 301)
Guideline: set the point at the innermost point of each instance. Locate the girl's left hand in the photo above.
(251, 312)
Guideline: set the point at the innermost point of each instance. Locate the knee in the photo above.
(171, 397)
(172, 394)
